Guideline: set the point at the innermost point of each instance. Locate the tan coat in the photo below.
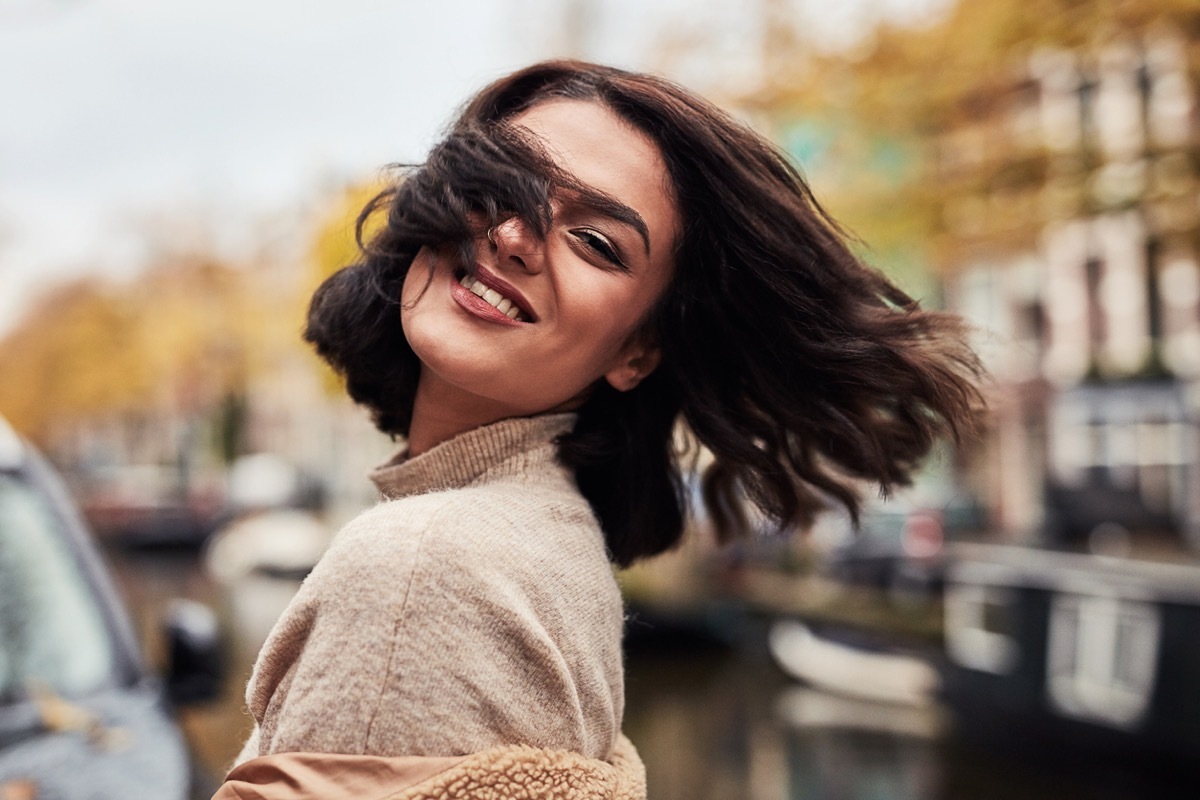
(514, 772)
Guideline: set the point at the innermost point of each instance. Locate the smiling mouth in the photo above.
(503, 304)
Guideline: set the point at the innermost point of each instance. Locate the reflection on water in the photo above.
(731, 725)
(709, 724)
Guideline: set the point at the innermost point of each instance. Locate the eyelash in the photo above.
(600, 245)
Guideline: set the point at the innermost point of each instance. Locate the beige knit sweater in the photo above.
(474, 607)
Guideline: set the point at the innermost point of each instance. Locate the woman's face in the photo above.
(558, 314)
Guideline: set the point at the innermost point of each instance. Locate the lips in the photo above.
(499, 294)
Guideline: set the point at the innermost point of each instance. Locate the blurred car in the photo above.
(81, 715)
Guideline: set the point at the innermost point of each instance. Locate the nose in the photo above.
(517, 245)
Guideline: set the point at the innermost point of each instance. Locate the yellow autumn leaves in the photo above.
(185, 333)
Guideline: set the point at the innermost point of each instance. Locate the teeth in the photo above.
(494, 298)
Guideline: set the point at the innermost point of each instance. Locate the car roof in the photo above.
(12, 451)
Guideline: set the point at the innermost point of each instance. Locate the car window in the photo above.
(52, 630)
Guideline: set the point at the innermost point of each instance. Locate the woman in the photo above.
(589, 257)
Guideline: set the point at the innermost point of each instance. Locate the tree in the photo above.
(178, 337)
(335, 246)
(877, 128)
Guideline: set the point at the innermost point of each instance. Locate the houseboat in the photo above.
(1073, 651)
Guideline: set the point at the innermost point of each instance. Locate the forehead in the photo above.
(605, 152)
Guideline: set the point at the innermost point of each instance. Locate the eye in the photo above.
(600, 244)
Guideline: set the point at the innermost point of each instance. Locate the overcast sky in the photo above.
(117, 116)
(119, 113)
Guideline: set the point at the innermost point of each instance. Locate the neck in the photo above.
(442, 411)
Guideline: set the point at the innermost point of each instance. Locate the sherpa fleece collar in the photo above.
(514, 772)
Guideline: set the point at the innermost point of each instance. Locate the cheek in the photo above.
(608, 308)
(600, 321)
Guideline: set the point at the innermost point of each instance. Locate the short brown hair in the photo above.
(798, 366)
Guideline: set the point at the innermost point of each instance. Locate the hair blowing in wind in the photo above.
(803, 370)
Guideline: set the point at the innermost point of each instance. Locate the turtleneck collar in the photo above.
(516, 445)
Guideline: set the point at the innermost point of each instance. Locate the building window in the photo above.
(1089, 88)
(1102, 657)
(1145, 89)
(980, 627)
(1153, 293)
(1097, 327)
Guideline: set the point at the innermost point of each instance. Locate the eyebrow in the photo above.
(611, 207)
(587, 196)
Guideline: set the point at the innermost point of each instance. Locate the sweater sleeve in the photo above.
(249, 750)
(318, 676)
(439, 631)
(490, 650)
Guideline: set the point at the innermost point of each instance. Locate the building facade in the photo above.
(1072, 202)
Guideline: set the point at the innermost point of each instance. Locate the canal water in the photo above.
(710, 723)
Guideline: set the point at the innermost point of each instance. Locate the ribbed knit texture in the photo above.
(475, 607)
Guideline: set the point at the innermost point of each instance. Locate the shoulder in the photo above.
(509, 520)
(378, 547)
(511, 543)
(474, 524)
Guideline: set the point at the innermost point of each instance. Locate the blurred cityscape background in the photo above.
(175, 180)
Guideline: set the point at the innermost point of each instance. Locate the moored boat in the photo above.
(1082, 651)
